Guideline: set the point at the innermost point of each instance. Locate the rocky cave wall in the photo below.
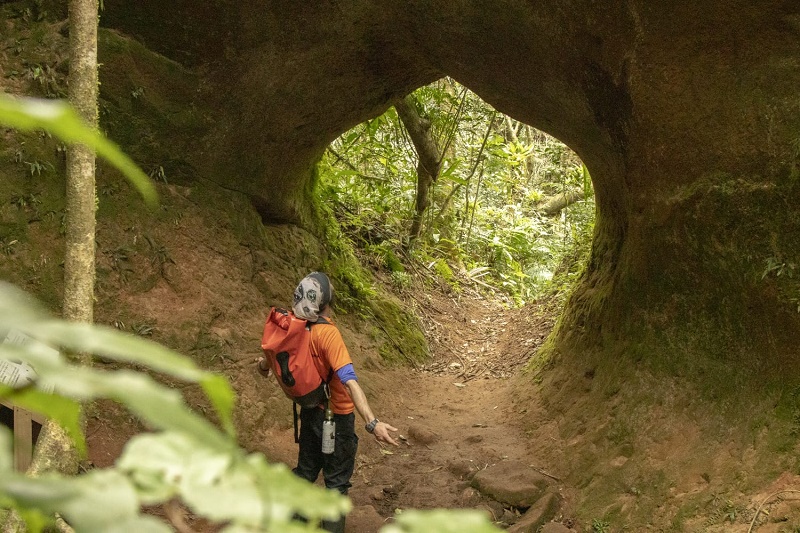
(687, 115)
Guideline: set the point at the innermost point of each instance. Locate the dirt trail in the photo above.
(455, 415)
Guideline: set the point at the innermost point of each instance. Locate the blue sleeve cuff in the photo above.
(346, 373)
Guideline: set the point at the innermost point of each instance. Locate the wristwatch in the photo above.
(371, 426)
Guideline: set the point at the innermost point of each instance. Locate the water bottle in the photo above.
(328, 432)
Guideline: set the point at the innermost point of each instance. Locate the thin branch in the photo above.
(483, 144)
(349, 165)
(342, 159)
(452, 133)
(763, 503)
(474, 167)
(474, 207)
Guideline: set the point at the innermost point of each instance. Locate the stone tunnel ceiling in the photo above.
(685, 112)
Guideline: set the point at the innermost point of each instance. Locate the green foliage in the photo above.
(600, 526)
(353, 285)
(157, 173)
(23, 201)
(120, 258)
(160, 257)
(440, 522)
(778, 268)
(36, 168)
(485, 205)
(48, 80)
(393, 262)
(155, 467)
(724, 510)
(143, 330)
(28, 114)
(441, 267)
(400, 280)
(7, 246)
(355, 292)
(183, 458)
(29, 11)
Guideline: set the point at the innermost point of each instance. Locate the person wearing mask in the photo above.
(313, 298)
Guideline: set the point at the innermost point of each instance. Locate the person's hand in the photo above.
(262, 365)
(382, 434)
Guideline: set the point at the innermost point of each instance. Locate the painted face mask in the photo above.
(311, 296)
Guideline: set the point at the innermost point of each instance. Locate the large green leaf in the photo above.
(441, 521)
(18, 312)
(100, 501)
(222, 397)
(449, 172)
(286, 494)
(157, 405)
(224, 487)
(64, 411)
(61, 120)
(156, 462)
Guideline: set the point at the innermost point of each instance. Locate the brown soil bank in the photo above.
(670, 388)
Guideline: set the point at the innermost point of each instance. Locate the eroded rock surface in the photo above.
(511, 483)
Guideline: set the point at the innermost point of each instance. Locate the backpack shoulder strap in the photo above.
(321, 320)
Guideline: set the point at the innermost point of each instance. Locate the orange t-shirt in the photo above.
(330, 354)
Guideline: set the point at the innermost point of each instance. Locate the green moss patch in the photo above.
(148, 106)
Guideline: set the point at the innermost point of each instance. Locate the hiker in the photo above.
(312, 302)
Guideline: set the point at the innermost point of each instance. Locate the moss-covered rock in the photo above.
(148, 105)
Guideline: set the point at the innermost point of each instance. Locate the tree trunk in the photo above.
(54, 450)
(79, 261)
(429, 160)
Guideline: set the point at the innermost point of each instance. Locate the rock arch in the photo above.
(686, 113)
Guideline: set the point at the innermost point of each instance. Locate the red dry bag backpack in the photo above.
(287, 346)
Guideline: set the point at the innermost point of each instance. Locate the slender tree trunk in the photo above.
(474, 207)
(79, 262)
(429, 160)
(54, 450)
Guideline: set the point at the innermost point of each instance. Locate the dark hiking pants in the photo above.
(337, 468)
